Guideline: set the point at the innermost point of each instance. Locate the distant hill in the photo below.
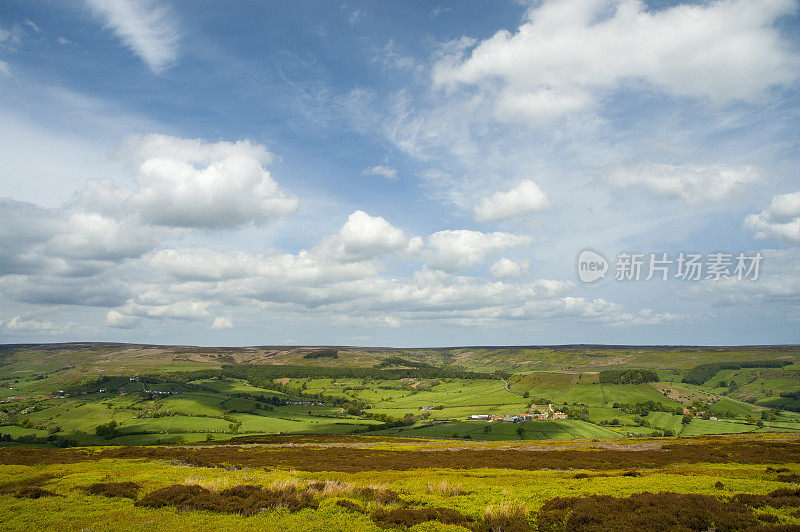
(106, 357)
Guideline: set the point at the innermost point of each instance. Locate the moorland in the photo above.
(120, 436)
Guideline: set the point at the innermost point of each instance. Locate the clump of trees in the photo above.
(322, 353)
(645, 407)
(30, 439)
(577, 413)
(108, 430)
(627, 376)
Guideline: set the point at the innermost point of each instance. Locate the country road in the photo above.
(509, 389)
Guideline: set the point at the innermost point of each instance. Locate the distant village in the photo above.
(145, 391)
(535, 413)
(60, 395)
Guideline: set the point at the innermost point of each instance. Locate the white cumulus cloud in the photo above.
(454, 250)
(779, 221)
(191, 183)
(364, 237)
(222, 322)
(117, 319)
(506, 268)
(692, 183)
(523, 199)
(568, 52)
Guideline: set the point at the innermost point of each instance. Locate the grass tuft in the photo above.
(507, 516)
(445, 488)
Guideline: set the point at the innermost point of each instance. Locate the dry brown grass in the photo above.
(507, 516)
(445, 488)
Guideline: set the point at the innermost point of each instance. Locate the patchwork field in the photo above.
(70, 394)
(120, 437)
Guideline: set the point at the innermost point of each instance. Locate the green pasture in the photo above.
(494, 431)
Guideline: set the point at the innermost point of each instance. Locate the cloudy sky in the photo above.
(398, 173)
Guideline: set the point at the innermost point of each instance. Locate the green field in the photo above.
(532, 430)
(185, 394)
(382, 439)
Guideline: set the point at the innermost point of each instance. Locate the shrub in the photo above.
(351, 506)
(769, 518)
(29, 488)
(409, 517)
(32, 492)
(244, 500)
(644, 511)
(128, 490)
(782, 498)
(778, 470)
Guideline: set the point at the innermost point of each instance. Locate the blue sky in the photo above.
(406, 173)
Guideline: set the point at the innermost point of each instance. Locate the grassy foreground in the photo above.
(351, 482)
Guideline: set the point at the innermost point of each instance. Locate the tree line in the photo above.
(702, 373)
